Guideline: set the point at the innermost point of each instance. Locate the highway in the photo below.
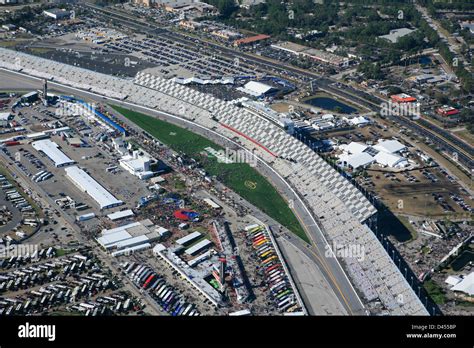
(329, 266)
(444, 139)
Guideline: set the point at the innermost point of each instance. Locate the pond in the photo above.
(462, 260)
(330, 104)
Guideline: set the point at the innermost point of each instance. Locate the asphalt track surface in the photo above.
(329, 265)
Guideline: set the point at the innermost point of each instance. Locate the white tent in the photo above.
(390, 160)
(466, 285)
(390, 146)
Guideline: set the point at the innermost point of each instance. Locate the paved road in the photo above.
(329, 266)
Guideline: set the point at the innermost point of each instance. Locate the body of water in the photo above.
(330, 104)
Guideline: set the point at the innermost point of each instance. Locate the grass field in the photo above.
(240, 177)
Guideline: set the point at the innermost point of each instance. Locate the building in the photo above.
(358, 121)
(137, 165)
(469, 26)
(447, 111)
(357, 160)
(5, 118)
(312, 53)
(290, 47)
(188, 238)
(184, 6)
(119, 145)
(465, 285)
(191, 25)
(57, 13)
(390, 146)
(123, 238)
(87, 184)
(257, 89)
(248, 3)
(119, 215)
(402, 98)
(326, 57)
(251, 40)
(196, 248)
(226, 34)
(385, 159)
(396, 34)
(51, 149)
(356, 155)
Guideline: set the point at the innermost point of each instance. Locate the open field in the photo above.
(240, 177)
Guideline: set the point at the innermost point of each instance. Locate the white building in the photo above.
(51, 149)
(256, 89)
(87, 184)
(390, 160)
(466, 285)
(137, 165)
(57, 13)
(358, 121)
(390, 146)
(135, 234)
(396, 34)
(356, 155)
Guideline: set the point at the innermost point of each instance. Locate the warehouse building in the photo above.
(396, 34)
(137, 165)
(87, 184)
(51, 149)
(251, 40)
(134, 235)
(188, 239)
(204, 244)
(118, 215)
(57, 13)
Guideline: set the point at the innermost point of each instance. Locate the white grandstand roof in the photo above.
(390, 146)
(51, 149)
(87, 184)
(466, 285)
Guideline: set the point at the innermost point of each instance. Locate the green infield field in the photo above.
(240, 177)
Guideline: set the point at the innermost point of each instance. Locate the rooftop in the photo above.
(51, 149)
(88, 185)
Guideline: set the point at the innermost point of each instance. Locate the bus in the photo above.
(286, 292)
(148, 280)
(266, 253)
(260, 242)
(188, 309)
(38, 174)
(258, 239)
(271, 268)
(284, 302)
(268, 259)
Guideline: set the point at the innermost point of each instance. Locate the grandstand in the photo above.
(341, 209)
